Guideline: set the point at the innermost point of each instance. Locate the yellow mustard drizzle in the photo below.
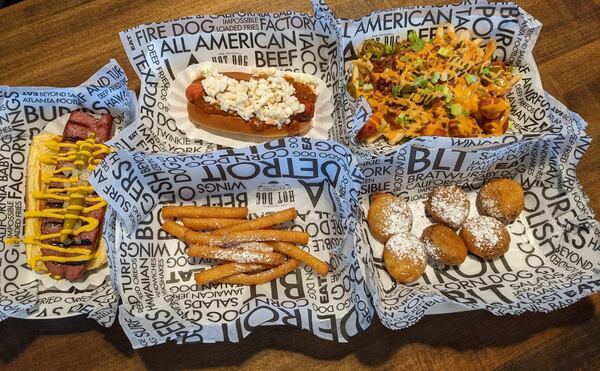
(48, 179)
(11, 240)
(42, 195)
(33, 260)
(76, 196)
(35, 241)
(83, 189)
(62, 170)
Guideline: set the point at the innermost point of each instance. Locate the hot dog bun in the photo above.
(229, 124)
(35, 171)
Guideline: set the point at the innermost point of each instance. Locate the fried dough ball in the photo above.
(388, 215)
(444, 245)
(404, 257)
(448, 205)
(502, 199)
(485, 237)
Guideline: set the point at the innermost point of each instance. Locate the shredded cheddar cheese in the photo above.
(448, 86)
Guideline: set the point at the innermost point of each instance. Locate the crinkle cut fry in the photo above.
(174, 228)
(205, 212)
(262, 222)
(261, 277)
(225, 270)
(230, 238)
(295, 252)
(235, 255)
(210, 223)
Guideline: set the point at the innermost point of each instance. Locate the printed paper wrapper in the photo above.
(553, 259)
(161, 52)
(25, 112)
(160, 300)
(321, 123)
(515, 32)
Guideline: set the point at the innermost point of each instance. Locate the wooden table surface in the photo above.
(61, 43)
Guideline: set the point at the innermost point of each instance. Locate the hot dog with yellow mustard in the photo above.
(64, 216)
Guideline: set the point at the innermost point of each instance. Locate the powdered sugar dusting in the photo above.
(398, 217)
(488, 202)
(486, 232)
(502, 199)
(407, 246)
(432, 252)
(254, 246)
(240, 256)
(491, 206)
(450, 204)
